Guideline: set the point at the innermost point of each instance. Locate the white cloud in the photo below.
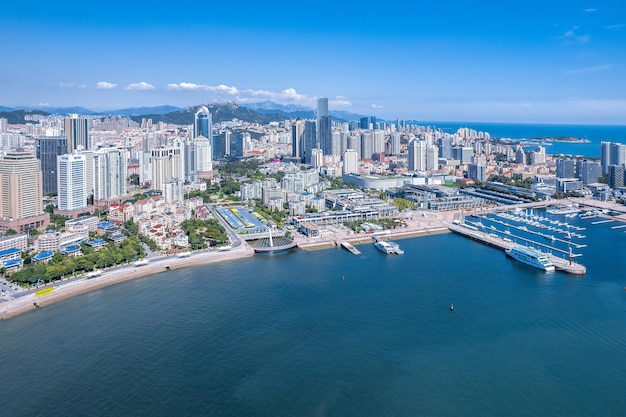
(377, 106)
(573, 36)
(105, 85)
(339, 103)
(591, 10)
(615, 27)
(140, 86)
(590, 69)
(72, 85)
(224, 92)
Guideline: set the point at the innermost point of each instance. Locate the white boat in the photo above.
(141, 262)
(384, 247)
(396, 248)
(388, 247)
(530, 257)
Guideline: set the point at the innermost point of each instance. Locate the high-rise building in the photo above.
(166, 164)
(477, 172)
(618, 154)
(605, 156)
(189, 159)
(204, 161)
(565, 168)
(367, 144)
(203, 124)
(588, 171)
(324, 127)
(106, 171)
(72, 182)
(350, 162)
(520, 155)
(77, 133)
(368, 122)
(3, 125)
(354, 143)
(317, 158)
(236, 144)
(417, 155)
(395, 143)
(616, 176)
(432, 157)
(48, 148)
(445, 147)
(20, 186)
(297, 137)
(310, 140)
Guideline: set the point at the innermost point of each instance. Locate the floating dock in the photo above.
(497, 242)
(351, 248)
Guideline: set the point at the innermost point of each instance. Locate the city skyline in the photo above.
(561, 62)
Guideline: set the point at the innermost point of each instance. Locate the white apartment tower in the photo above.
(166, 163)
(72, 181)
(350, 162)
(417, 155)
(106, 173)
(203, 155)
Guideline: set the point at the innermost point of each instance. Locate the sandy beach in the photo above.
(60, 291)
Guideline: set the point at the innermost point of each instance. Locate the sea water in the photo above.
(328, 333)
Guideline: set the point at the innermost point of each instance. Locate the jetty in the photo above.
(350, 247)
(560, 264)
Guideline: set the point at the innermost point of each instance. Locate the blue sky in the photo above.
(531, 61)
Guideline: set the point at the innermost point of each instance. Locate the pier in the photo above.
(351, 248)
(497, 242)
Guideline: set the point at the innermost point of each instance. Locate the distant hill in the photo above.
(16, 117)
(220, 113)
(263, 113)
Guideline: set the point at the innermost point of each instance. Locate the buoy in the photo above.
(342, 278)
(451, 306)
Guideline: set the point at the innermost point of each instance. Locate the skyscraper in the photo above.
(203, 124)
(605, 156)
(417, 155)
(565, 168)
(324, 128)
(204, 161)
(166, 164)
(77, 133)
(106, 173)
(310, 140)
(48, 148)
(350, 162)
(297, 133)
(588, 171)
(72, 182)
(20, 185)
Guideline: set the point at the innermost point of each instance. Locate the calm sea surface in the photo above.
(594, 133)
(287, 336)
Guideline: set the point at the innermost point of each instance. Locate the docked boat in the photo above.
(388, 247)
(396, 248)
(531, 257)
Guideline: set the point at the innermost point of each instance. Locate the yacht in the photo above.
(383, 246)
(531, 257)
(388, 247)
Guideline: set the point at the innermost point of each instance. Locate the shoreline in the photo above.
(64, 290)
(418, 225)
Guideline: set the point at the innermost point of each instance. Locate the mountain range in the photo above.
(263, 112)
